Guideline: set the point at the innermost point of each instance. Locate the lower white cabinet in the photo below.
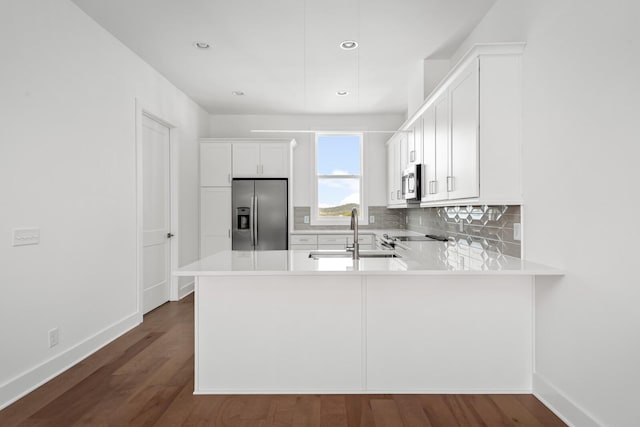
(330, 241)
(215, 220)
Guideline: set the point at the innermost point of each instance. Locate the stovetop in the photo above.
(390, 241)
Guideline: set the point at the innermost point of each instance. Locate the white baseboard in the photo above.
(561, 405)
(185, 290)
(28, 381)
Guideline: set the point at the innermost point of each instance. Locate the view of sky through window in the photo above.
(338, 174)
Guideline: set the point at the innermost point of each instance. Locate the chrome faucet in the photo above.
(354, 226)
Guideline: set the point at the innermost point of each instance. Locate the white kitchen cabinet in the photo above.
(415, 143)
(330, 241)
(215, 220)
(472, 127)
(246, 159)
(261, 160)
(274, 160)
(436, 150)
(303, 247)
(215, 164)
(463, 179)
(450, 141)
(304, 239)
(394, 170)
(404, 153)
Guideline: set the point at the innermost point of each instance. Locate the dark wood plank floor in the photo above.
(146, 378)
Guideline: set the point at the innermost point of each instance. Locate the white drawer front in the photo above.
(303, 247)
(332, 239)
(304, 239)
(332, 247)
(364, 239)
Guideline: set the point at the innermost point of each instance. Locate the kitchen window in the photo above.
(338, 179)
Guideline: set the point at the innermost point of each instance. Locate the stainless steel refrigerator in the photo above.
(259, 214)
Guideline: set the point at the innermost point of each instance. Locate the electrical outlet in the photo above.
(372, 219)
(517, 231)
(406, 220)
(306, 219)
(54, 337)
(420, 220)
(461, 226)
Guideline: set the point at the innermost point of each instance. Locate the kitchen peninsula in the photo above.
(428, 321)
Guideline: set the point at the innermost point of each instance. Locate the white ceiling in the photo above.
(284, 54)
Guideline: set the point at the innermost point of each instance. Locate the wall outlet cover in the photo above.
(306, 219)
(26, 236)
(372, 219)
(54, 337)
(517, 231)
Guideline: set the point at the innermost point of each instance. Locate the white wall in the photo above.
(581, 106)
(415, 87)
(240, 126)
(67, 165)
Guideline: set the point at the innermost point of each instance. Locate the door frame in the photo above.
(143, 110)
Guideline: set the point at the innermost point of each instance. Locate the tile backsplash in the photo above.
(384, 218)
(484, 228)
(469, 228)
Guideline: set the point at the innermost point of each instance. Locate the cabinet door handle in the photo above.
(257, 169)
(392, 196)
(398, 195)
(412, 156)
(229, 177)
(229, 232)
(450, 184)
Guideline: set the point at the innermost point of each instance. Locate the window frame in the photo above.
(316, 219)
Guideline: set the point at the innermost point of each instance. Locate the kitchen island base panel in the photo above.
(363, 334)
(281, 334)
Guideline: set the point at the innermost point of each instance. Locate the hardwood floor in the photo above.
(146, 378)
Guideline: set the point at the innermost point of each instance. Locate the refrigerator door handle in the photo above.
(251, 219)
(255, 227)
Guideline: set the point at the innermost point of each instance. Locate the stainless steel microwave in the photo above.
(411, 179)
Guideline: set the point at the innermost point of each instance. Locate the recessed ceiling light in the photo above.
(342, 93)
(349, 44)
(202, 45)
(237, 93)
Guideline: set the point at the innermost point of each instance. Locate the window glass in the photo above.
(338, 177)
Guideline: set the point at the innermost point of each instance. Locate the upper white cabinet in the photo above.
(436, 150)
(394, 171)
(261, 160)
(215, 164)
(463, 179)
(471, 131)
(246, 159)
(274, 160)
(414, 143)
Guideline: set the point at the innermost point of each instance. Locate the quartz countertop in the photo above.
(376, 231)
(423, 258)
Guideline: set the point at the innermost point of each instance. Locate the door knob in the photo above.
(169, 235)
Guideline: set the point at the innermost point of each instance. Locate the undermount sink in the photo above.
(368, 253)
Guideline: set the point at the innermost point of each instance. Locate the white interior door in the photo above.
(156, 211)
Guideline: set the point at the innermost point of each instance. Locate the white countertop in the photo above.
(424, 258)
(377, 231)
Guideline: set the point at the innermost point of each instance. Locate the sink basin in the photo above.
(367, 253)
